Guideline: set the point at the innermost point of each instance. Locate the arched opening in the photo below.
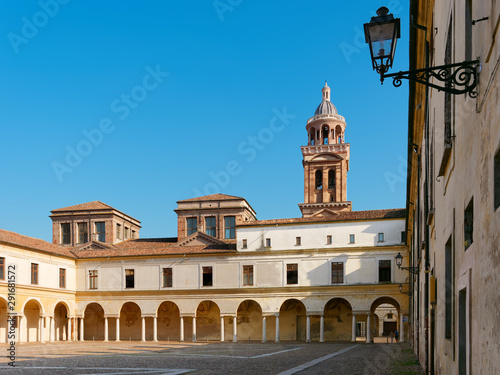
(169, 321)
(208, 321)
(339, 134)
(311, 138)
(292, 320)
(249, 318)
(385, 323)
(318, 179)
(338, 320)
(130, 322)
(331, 179)
(326, 131)
(61, 322)
(32, 314)
(93, 322)
(3, 321)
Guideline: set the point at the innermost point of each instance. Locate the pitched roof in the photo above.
(33, 243)
(212, 197)
(152, 246)
(95, 205)
(394, 213)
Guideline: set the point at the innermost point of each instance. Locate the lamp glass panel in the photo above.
(381, 38)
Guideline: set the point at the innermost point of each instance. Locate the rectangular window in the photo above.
(119, 231)
(34, 273)
(298, 241)
(337, 272)
(192, 225)
(329, 240)
(210, 226)
(100, 230)
(384, 271)
(167, 277)
(247, 275)
(230, 227)
(469, 224)
(352, 238)
(2, 268)
(129, 279)
(62, 278)
(83, 233)
(93, 279)
(448, 285)
(268, 242)
(244, 243)
(65, 233)
(496, 181)
(403, 236)
(133, 234)
(380, 237)
(292, 274)
(125, 233)
(207, 276)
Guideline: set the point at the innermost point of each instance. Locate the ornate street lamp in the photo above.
(381, 34)
(399, 262)
(400, 287)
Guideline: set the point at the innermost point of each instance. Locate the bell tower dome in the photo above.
(325, 161)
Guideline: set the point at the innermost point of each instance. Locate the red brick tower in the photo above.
(325, 161)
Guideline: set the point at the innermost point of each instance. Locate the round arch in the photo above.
(32, 310)
(338, 320)
(169, 321)
(381, 307)
(208, 320)
(93, 322)
(3, 320)
(292, 320)
(130, 321)
(249, 320)
(61, 314)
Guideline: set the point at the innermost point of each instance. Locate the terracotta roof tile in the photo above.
(95, 205)
(394, 213)
(212, 197)
(152, 246)
(33, 243)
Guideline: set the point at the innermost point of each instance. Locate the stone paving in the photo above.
(172, 358)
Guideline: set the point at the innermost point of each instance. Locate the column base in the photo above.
(308, 340)
(321, 340)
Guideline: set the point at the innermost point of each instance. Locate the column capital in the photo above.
(111, 315)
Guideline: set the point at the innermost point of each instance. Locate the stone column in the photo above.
(326, 194)
(322, 328)
(235, 329)
(277, 328)
(68, 336)
(117, 328)
(143, 329)
(264, 329)
(221, 329)
(353, 339)
(19, 320)
(368, 328)
(308, 328)
(194, 329)
(53, 329)
(81, 329)
(155, 329)
(182, 329)
(401, 329)
(105, 328)
(42, 319)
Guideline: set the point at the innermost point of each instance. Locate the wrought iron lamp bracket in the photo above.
(459, 78)
(414, 270)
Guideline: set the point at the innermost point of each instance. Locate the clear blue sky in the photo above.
(170, 92)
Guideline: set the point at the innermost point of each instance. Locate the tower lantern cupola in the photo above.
(325, 161)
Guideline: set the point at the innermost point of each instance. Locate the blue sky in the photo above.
(140, 104)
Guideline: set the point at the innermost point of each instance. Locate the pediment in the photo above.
(199, 239)
(94, 245)
(326, 157)
(325, 212)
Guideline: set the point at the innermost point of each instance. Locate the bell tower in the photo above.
(325, 161)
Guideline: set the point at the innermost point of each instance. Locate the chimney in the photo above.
(95, 237)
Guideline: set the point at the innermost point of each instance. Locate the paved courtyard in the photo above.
(209, 358)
